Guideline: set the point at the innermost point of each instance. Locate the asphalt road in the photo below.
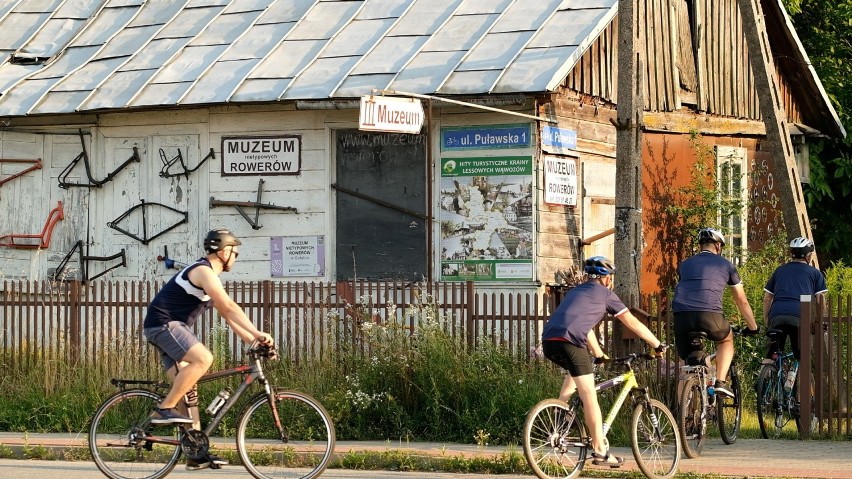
(33, 469)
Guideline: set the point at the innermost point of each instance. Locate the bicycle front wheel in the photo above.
(118, 438)
(730, 410)
(655, 440)
(692, 424)
(292, 438)
(555, 441)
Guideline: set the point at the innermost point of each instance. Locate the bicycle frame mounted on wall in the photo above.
(145, 239)
(84, 263)
(55, 215)
(36, 166)
(93, 183)
(257, 205)
(164, 172)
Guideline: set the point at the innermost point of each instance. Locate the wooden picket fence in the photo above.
(44, 324)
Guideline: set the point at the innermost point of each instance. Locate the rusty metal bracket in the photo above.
(164, 172)
(93, 183)
(55, 215)
(257, 205)
(84, 263)
(36, 166)
(145, 239)
(379, 202)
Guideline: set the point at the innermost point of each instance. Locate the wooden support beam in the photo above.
(783, 165)
(628, 162)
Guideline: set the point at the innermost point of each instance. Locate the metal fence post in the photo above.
(806, 326)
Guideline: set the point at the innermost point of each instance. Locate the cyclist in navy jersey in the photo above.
(569, 336)
(697, 305)
(782, 295)
(169, 320)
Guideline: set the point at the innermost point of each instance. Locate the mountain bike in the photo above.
(699, 405)
(279, 433)
(556, 443)
(776, 404)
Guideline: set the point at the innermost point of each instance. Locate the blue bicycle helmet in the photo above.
(599, 266)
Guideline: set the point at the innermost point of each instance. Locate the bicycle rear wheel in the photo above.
(730, 410)
(797, 410)
(692, 424)
(772, 411)
(296, 444)
(655, 440)
(555, 441)
(117, 438)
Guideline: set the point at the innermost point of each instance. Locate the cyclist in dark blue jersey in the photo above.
(697, 305)
(169, 320)
(569, 336)
(782, 295)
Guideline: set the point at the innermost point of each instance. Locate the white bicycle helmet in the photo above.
(801, 247)
(710, 235)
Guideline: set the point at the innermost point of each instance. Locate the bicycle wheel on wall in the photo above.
(729, 410)
(305, 449)
(555, 443)
(117, 438)
(693, 426)
(656, 448)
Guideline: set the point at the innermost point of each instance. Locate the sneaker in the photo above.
(213, 462)
(169, 416)
(722, 387)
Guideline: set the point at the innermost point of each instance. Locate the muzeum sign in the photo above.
(261, 155)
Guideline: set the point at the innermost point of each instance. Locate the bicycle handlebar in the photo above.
(262, 350)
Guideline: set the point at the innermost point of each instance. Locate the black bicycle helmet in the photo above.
(710, 235)
(801, 247)
(599, 266)
(218, 239)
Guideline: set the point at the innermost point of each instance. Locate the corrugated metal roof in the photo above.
(65, 56)
(87, 55)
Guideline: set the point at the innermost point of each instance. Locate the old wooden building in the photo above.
(129, 128)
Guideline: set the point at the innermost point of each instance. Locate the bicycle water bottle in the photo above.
(791, 379)
(218, 401)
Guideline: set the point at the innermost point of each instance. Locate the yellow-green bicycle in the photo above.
(557, 445)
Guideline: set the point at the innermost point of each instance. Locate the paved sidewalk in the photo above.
(747, 458)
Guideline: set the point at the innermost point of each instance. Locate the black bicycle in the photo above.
(279, 433)
(777, 393)
(700, 406)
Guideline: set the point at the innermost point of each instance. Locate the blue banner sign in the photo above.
(485, 137)
(558, 138)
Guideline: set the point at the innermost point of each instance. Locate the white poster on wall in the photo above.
(560, 180)
(297, 256)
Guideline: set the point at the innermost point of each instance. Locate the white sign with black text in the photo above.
(385, 113)
(261, 155)
(560, 180)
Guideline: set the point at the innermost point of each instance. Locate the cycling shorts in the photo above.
(173, 340)
(789, 327)
(713, 324)
(574, 359)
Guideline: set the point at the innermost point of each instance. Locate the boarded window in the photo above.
(381, 205)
